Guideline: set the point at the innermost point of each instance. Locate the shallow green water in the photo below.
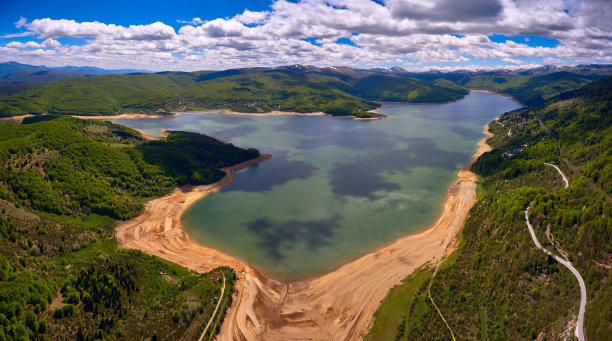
(334, 188)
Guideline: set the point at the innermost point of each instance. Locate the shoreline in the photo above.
(162, 219)
(339, 304)
(276, 113)
(502, 94)
(111, 117)
(15, 119)
(420, 103)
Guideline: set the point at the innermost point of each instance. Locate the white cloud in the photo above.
(33, 44)
(17, 35)
(49, 28)
(512, 61)
(21, 22)
(195, 21)
(408, 32)
(249, 17)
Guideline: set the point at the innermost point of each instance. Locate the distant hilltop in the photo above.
(15, 73)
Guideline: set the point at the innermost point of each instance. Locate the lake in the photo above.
(335, 188)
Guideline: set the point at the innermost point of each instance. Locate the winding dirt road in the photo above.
(335, 306)
(583, 295)
(214, 312)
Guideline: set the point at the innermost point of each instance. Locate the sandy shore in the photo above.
(15, 119)
(159, 232)
(19, 119)
(335, 306)
(124, 116)
(274, 113)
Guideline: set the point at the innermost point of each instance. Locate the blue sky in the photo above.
(414, 34)
(122, 12)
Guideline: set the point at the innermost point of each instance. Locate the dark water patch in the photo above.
(425, 154)
(360, 180)
(274, 237)
(228, 119)
(308, 125)
(364, 177)
(465, 132)
(228, 133)
(274, 172)
(361, 139)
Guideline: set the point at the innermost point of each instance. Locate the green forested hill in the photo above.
(526, 88)
(68, 166)
(337, 91)
(497, 284)
(245, 90)
(63, 184)
(401, 89)
(540, 89)
(99, 95)
(276, 91)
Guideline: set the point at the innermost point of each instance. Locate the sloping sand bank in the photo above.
(277, 113)
(335, 306)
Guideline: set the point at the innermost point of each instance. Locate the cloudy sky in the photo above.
(221, 34)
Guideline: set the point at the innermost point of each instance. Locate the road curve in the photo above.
(579, 332)
(560, 173)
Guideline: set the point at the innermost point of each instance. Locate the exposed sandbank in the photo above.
(276, 113)
(15, 119)
(19, 119)
(110, 117)
(338, 305)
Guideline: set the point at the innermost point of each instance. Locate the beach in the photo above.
(277, 113)
(338, 305)
(111, 117)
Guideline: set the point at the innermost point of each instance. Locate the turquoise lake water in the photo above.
(335, 188)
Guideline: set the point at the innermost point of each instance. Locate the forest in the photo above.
(62, 281)
(72, 167)
(65, 183)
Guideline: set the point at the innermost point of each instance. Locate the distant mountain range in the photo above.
(336, 90)
(16, 73)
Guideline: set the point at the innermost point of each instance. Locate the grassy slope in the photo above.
(99, 95)
(12, 89)
(400, 89)
(501, 286)
(275, 91)
(63, 182)
(539, 89)
(527, 89)
(394, 309)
